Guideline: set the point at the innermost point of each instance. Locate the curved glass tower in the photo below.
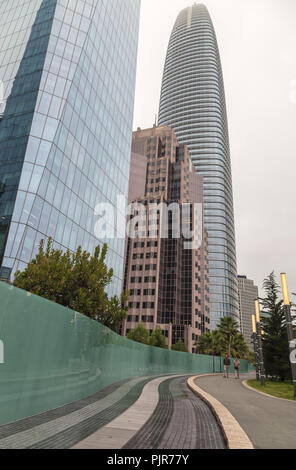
(193, 103)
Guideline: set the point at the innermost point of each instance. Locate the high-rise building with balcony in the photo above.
(193, 104)
(248, 292)
(167, 280)
(68, 69)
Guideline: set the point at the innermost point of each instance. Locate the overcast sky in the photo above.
(257, 42)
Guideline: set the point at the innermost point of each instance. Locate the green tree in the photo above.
(239, 346)
(205, 344)
(210, 343)
(275, 340)
(157, 339)
(139, 334)
(180, 346)
(74, 280)
(250, 357)
(115, 311)
(228, 328)
(217, 342)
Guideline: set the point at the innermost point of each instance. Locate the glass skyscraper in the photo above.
(193, 103)
(68, 68)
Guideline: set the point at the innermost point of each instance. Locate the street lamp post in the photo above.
(259, 339)
(291, 339)
(255, 346)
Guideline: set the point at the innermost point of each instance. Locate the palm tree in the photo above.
(205, 344)
(239, 346)
(210, 343)
(228, 328)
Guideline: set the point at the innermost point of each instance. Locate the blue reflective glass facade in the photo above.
(68, 68)
(193, 103)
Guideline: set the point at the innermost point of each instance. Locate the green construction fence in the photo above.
(51, 356)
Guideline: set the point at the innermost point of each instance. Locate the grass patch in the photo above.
(276, 389)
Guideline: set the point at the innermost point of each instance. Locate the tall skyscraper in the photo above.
(248, 292)
(168, 283)
(68, 68)
(193, 103)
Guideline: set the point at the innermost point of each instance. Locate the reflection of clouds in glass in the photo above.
(1, 92)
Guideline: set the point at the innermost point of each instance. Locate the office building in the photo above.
(193, 104)
(167, 282)
(248, 292)
(68, 68)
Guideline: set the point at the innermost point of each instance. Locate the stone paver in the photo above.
(140, 413)
(117, 433)
(180, 421)
(235, 436)
(192, 425)
(268, 422)
(63, 427)
(36, 420)
(152, 432)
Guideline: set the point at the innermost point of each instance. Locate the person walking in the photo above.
(226, 365)
(237, 366)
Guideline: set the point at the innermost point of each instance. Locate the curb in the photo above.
(245, 384)
(234, 435)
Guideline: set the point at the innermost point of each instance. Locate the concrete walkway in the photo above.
(269, 423)
(65, 426)
(140, 413)
(167, 415)
(119, 432)
(180, 421)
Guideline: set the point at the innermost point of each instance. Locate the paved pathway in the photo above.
(180, 421)
(140, 413)
(270, 423)
(118, 432)
(63, 427)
